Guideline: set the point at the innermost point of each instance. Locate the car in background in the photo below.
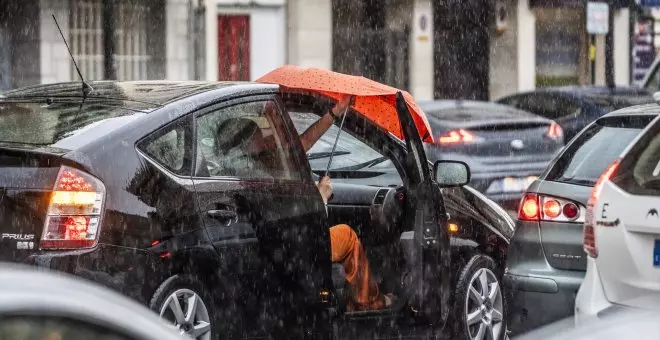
(40, 304)
(506, 148)
(546, 263)
(574, 107)
(622, 232)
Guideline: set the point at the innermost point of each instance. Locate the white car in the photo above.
(622, 232)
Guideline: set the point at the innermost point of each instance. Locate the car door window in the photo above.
(171, 146)
(653, 84)
(247, 141)
(352, 159)
(53, 328)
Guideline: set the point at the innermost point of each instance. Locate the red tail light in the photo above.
(529, 208)
(589, 232)
(456, 136)
(74, 212)
(555, 131)
(535, 207)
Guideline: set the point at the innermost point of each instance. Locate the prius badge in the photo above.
(517, 144)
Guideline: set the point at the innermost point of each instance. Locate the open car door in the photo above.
(427, 283)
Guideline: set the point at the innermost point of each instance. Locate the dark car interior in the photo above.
(369, 199)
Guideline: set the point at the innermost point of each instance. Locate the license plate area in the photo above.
(510, 184)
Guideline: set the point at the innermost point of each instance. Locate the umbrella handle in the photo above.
(334, 146)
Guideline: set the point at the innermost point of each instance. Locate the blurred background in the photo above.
(477, 49)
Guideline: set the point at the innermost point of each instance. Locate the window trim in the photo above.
(234, 102)
(162, 130)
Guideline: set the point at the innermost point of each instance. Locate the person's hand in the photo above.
(340, 108)
(325, 188)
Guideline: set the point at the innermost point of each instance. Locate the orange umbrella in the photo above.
(373, 100)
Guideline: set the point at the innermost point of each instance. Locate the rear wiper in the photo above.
(326, 154)
(367, 164)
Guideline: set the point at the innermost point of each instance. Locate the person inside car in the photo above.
(346, 247)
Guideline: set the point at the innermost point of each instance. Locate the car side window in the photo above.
(646, 170)
(248, 141)
(47, 327)
(653, 84)
(171, 146)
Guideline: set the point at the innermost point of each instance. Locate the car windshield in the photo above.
(597, 147)
(58, 124)
(350, 154)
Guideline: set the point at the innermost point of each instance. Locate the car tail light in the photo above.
(74, 212)
(456, 136)
(555, 131)
(589, 232)
(529, 208)
(535, 207)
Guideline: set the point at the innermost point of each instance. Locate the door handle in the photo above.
(221, 214)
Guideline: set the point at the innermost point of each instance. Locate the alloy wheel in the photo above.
(484, 306)
(186, 311)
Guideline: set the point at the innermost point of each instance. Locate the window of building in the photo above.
(132, 55)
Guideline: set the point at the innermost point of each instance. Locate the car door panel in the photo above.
(269, 225)
(428, 248)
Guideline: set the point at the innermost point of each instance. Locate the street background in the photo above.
(477, 49)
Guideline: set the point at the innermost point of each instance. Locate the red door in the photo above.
(233, 47)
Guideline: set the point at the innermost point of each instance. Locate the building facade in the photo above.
(151, 40)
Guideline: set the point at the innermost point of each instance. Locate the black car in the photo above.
(506, 148)
(574, 107)
(123, 187)
(546, 261)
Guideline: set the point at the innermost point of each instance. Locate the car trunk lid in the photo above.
(26, 182)
(562, 241)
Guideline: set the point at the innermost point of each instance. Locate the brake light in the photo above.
(535, 207)
(555, 131)
(456, 136)
(74, 212)
(589, 232)
(529, 208)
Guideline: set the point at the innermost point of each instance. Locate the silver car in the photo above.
(45, 305)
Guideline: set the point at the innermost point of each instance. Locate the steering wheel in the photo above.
(388, 216)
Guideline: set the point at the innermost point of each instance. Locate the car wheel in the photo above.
(187, 306)
(479, 305)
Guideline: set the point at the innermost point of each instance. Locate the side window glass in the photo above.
(38, 327)
(247, 141)
(653, 84)
(171, 147)
(646, 171)
(353, 160)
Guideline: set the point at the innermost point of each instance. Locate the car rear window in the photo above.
(42, 124)
(596, 148)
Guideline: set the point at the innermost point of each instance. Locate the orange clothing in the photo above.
(347, 250)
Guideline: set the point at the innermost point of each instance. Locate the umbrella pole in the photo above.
(332, 153)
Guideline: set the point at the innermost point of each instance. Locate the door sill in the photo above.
(370, 314)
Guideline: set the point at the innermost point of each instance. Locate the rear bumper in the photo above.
(591, 301)
(132, 272)
(537, 293)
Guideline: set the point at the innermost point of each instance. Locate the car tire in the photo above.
(476, 310)
(172, 302)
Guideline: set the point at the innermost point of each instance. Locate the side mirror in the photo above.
(451, 173)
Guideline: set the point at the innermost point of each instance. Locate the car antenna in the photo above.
(86, 88)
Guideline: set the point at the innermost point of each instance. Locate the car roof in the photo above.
(27, 291)
(132, 94)
(469, 111)
(637, 110)
(591, 91)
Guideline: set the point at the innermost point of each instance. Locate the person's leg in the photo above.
(347, 250)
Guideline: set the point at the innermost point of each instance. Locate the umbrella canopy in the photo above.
(373, 100)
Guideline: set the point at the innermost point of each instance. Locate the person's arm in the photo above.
(316, 130)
